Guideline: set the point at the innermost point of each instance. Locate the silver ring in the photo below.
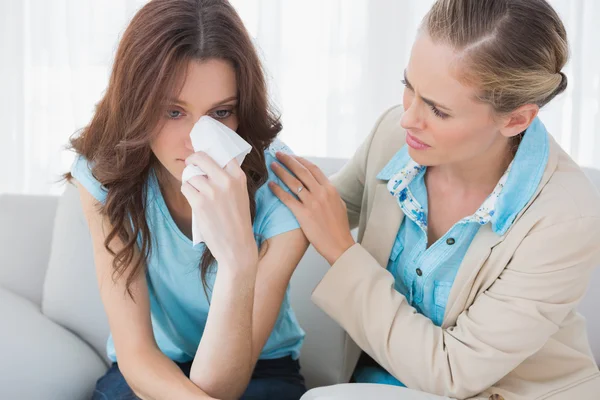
(299, 189)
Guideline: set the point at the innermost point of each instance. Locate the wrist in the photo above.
(240, 261)
(236, 276)
(240, 254)
(339, 250)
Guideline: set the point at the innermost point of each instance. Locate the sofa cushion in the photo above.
(589, 305)
(41, 360)
(327, 349)
(360, 391)
(589, 309)
(71, 295)
(26, 224)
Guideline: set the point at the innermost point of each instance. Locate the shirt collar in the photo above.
(517, 186)
(524, 178)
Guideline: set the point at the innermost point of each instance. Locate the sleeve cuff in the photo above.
(345, 274)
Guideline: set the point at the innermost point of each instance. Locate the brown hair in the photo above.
(150, 65)
(513, 50)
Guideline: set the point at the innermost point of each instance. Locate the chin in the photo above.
(422, 157)
(173, 172)
(177, 175)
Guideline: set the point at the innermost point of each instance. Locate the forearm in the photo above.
(224, 360)
(359, 294)
(153, 376)
(505, 325)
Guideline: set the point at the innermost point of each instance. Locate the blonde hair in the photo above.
(513, 51)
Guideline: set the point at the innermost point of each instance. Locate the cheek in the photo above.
(161, 144)
(169, 143)
(459, 139)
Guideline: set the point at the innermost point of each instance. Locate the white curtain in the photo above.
(333, 66)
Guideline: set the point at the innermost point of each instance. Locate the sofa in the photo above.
(53, 329)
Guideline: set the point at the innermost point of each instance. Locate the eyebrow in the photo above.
(219, 103)
(425, 100)
(227, 100)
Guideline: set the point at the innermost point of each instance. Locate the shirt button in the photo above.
(419, 272)
(450, 241)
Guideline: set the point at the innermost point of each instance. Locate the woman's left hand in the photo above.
(317, 206)
(220, 202)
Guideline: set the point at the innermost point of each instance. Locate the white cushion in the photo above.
(39, 359)
(589, 309)
(25, 225)
(71, 294)
(329, 166)
(327, 347)
(361, 391)
(589, 305)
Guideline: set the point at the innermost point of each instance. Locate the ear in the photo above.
(519, 120)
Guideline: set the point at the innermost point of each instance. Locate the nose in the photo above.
(187, 142)
(412, 119)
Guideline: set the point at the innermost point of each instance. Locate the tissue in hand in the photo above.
(221, 144)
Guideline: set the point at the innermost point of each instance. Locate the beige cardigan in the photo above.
(510, 326)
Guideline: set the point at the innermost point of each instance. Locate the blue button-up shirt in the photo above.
(424, 275)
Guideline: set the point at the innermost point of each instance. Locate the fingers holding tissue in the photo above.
(215, 186)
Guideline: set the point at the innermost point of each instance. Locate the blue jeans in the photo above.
(278, 379)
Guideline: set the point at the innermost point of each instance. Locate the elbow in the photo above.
(443, 383)
(126, 369)
(220, 387)
(459, 393)
(464, 389)
(463, 386)
(462, 392)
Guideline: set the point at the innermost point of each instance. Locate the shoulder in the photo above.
(264, 196)
(568, 194)
(82, 171)
(270, 157)
(561, 225)
(272, 216)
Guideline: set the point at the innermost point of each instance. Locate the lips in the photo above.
(415, 143)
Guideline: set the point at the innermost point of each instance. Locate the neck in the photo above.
(479, 173)
(171, 191)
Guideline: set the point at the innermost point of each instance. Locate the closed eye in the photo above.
(438, 113)
(432, 105)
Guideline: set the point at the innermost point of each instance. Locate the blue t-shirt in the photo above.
(178, 303)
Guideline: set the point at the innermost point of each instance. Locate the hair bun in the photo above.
(562, 85)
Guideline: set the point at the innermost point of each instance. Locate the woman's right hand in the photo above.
(221, 205)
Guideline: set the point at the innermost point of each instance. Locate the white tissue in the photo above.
(222, 145)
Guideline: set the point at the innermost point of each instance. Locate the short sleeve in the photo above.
(272, 216)
(81, 170)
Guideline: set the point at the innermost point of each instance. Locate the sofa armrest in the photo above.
(26, 224)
